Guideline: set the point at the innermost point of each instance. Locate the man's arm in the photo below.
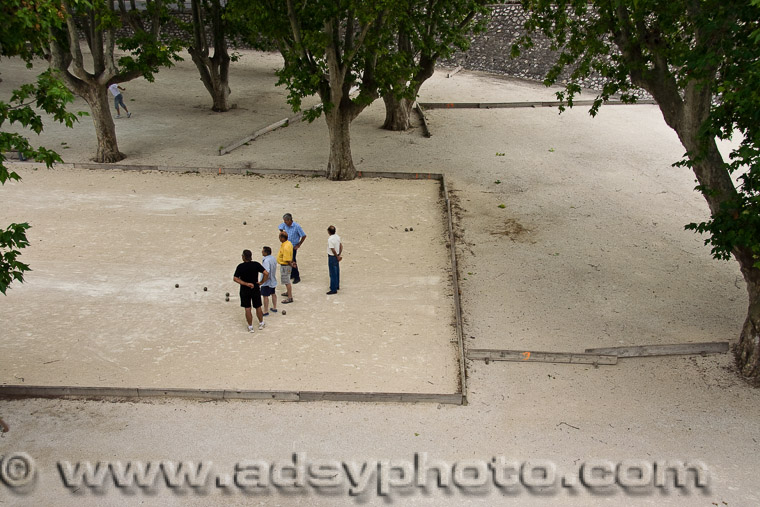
(340, 251)
(265, 277)
(241, 282)
(301, 239)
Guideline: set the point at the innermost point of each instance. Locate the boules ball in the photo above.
(411, 229)
(226, 299)
(284, 312)
(205, 289)
(228, 294)
(176, 286)
(244, 223)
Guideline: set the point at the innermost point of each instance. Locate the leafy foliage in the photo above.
(427, 31)
(701, 61)
(24, 34)
(358, 34)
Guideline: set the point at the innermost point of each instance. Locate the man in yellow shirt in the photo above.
(285, 260)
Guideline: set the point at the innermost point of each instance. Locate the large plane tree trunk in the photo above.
(341, 165)
(748, 348)
(686, 114)
(97, 97)
(214, 70)
(398, 112)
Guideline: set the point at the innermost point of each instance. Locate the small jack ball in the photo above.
(176, 286)
(205, 289)
(244, 223)
(284, 312)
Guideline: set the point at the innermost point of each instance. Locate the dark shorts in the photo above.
(250, 297)
(266, 291)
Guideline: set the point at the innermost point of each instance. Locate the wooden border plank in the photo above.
(62, 391)
(514, 105)
(543, 357)
(228, 394)
(421, 113)
(213, 394)
(457, 297)
(664, 350)
(248, 394)
(456, 69)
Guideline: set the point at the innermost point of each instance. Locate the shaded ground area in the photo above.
(100, 307)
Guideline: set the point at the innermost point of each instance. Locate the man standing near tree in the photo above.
(296, 236)
(118, 98)
(334, 256)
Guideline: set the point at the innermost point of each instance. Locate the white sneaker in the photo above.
(118, 116)
(250, 328)
(129, 115)
(262, 325)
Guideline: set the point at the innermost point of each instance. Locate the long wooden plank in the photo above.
(421, 113)
(218, 394)
(664, 350)
(543, 357)
(457, 298)
(509, 105)
(457, 69)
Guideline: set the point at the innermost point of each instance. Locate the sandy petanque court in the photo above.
(100, 307)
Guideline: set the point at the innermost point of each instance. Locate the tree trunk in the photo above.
(748, 348)
(97, 97)
(220, 95)
(718, 190)
(397, 113)
(214, 70)
(341, 165)
(214, 77)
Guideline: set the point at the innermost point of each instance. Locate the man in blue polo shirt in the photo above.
(295, 236)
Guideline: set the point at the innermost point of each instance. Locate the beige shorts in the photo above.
(285, 274)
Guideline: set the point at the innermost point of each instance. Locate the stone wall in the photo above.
(490, 50)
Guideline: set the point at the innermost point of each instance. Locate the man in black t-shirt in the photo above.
(247, 275)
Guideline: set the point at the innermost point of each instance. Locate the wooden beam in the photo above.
(420, 112)
(457, 294)
(664, 350)
(512, 105)
(457, 69)
(269, 128)
(543, 357)
(7, 390)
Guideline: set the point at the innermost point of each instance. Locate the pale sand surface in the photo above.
(108, 248)
(588, 251)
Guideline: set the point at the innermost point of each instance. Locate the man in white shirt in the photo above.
(118, 99)
(334, 256)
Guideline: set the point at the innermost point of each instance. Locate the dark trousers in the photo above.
(294, 274)
(334, 267)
